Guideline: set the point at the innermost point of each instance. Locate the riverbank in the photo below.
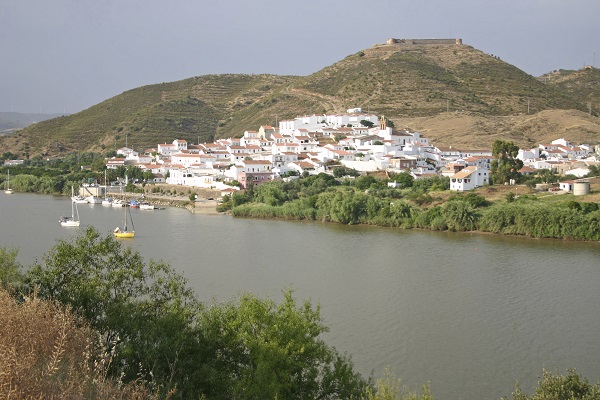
(162, 195)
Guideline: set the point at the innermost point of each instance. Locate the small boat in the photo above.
(73, 220)
(134, 204)
(146, 206)
(107, 201)
(128, 231)
(8, 190)
(94, 200)
(118, 203)
(78, 199)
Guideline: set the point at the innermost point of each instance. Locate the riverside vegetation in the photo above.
(93, 320)
(423, 204)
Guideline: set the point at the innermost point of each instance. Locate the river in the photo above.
(470, 314)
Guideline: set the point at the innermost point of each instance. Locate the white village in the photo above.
(355, 140)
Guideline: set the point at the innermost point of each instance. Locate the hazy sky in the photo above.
(66, 55)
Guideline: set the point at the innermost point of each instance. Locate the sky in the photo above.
(63, 56)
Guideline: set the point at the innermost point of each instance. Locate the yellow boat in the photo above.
(126, 231)
(122, 234)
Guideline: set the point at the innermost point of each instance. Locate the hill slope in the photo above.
(583, 84)
(414, 85)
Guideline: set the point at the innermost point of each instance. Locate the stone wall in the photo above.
(423, 41)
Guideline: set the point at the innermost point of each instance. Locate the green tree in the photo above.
(270, 193)
(460, 216)
(11, 277)
(571, 386)
(144, 312)
(403, 179)
(274, 351)
(505, 166)
(368, 124)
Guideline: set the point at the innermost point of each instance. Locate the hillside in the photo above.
(583, 84)
(450, 92)
(425, 80)
(473, 131)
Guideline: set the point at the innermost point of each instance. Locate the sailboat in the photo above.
(73, 220)
(8, 190)
(128, 230)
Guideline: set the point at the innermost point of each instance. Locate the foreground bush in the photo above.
(158, 332)
(571, 386)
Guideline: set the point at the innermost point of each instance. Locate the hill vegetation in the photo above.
(449, 92)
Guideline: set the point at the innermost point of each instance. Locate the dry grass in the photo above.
(47, 352)
(468, 131)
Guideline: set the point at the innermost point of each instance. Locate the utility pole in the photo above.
(590, 109)
(528, 106)
(447, 105)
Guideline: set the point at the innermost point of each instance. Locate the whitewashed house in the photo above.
(469, 178)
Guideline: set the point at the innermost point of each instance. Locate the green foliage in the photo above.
(403, 180)
(270, 193)
(142, 310)
(505, 166)
(272, 351)
(239, 199)
(459, 216)
(341, 171)
(367, 200)
(571, 386)
(368, 124)
(470, 198)
(541, 221)
(431, 183)
(390, 388)
(344, 206)
(420, 197)
(11, 277)
(364, 182)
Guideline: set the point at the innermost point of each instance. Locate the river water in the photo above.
(469, 314)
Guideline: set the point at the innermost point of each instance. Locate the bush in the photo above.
(560, 387)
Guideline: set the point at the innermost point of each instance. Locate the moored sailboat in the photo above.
(128, 230)
(73, 220)
(8, 190)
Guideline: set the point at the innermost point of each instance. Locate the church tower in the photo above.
(383, 123)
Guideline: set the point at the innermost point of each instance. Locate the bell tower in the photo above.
(383, 123)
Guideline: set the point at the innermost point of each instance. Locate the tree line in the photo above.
(414, 204)
(57, 176)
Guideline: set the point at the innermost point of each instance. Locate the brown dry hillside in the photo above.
(467, 130)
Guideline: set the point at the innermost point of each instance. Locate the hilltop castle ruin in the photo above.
(423, 41)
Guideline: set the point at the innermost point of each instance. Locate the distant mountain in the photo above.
(11, 121)
(476, 96)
